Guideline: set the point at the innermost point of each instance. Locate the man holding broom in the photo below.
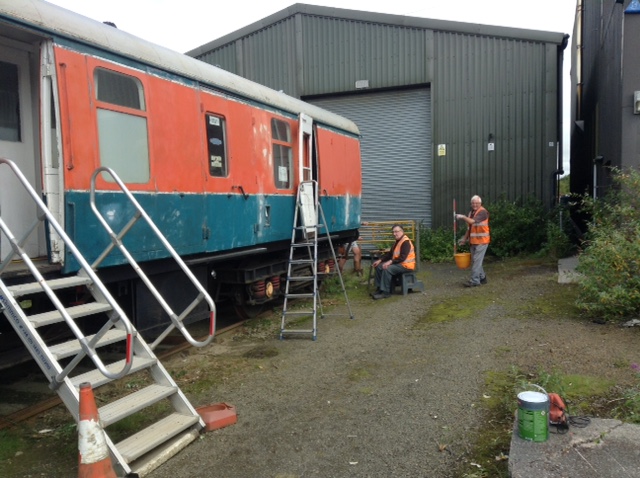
(478, 237)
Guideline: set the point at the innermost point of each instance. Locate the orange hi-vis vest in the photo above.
(410, 261)
(479, 233)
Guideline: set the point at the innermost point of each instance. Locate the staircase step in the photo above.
(54, 316)
(133, 403)
(55, 284)
(96, 378)
(299, 312)
(145, 440)
(300, 278)
(72, 347)
(151, 461)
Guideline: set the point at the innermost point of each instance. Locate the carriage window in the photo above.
(282, 153)
(217, 145)
(118, 89)
(123, 134)
(9, 103)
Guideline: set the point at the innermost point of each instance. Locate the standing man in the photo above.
(400, 258)
(478, 237)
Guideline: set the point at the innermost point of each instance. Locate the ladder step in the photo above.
(54, 316)
(72, 347)
(96, 378)
(302, 244)
(55, 284)
(300, 278)
(300, 296)
(301, 312)
(133, 403)
(137, 445)
(297, 331)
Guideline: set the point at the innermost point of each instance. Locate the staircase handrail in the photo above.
(117, 241)
(88, 346)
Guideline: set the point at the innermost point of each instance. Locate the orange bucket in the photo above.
(463, 260)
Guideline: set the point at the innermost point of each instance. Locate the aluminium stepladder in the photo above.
(302, 266)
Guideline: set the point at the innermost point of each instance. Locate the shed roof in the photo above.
(382, 18)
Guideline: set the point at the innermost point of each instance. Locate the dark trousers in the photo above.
(384, 277)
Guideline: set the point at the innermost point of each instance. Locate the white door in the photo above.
(17, 143)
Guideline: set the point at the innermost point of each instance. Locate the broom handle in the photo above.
(455, 228)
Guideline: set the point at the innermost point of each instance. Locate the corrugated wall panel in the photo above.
(224, 57)
(339, 52)
(269, 56)
(499, 87)
(396, 155)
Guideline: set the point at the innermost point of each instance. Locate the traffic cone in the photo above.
(94, 460)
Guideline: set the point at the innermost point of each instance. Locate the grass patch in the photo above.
(491, 445)
(10, 444)
(359, 374)
(556, 302)
(584, 396)
(460, 307)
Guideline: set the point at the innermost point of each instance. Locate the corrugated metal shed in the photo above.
(487, 85)
(607, 73)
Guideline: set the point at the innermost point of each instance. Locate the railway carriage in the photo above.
(214, 159)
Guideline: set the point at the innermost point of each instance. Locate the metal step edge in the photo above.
(134, 402)
(54, 316)
(308, 312)
(152, 460)
(299, 296)
(300, 279)
(72, 347)
(55, 284)
(297, 331)
(96, 378)
(154, 435)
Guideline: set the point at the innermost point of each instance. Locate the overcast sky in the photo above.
(183, 25)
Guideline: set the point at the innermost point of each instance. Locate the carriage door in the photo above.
(17, 143)
(306, 173)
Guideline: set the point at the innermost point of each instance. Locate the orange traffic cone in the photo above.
(94, 460)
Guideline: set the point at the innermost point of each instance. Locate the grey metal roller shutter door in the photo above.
(396, 151)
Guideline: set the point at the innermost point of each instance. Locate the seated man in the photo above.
(400, 258)
(343, 253)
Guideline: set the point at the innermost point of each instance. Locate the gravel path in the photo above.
(381, 395)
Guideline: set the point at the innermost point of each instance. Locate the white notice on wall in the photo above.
(283, 175)
(442, 150)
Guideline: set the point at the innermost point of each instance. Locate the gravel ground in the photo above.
(398, 391)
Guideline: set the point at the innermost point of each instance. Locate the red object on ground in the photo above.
(218, 415)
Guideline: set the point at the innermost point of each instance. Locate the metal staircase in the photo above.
(105, 345)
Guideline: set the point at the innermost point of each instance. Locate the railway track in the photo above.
(42, 406)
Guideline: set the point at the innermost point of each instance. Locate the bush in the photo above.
(558, 242)
(517, 227)
(610, 264)
(436, 245)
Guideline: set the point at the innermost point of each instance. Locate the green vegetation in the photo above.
(610, 263)
(520, 227)
(583, 395)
